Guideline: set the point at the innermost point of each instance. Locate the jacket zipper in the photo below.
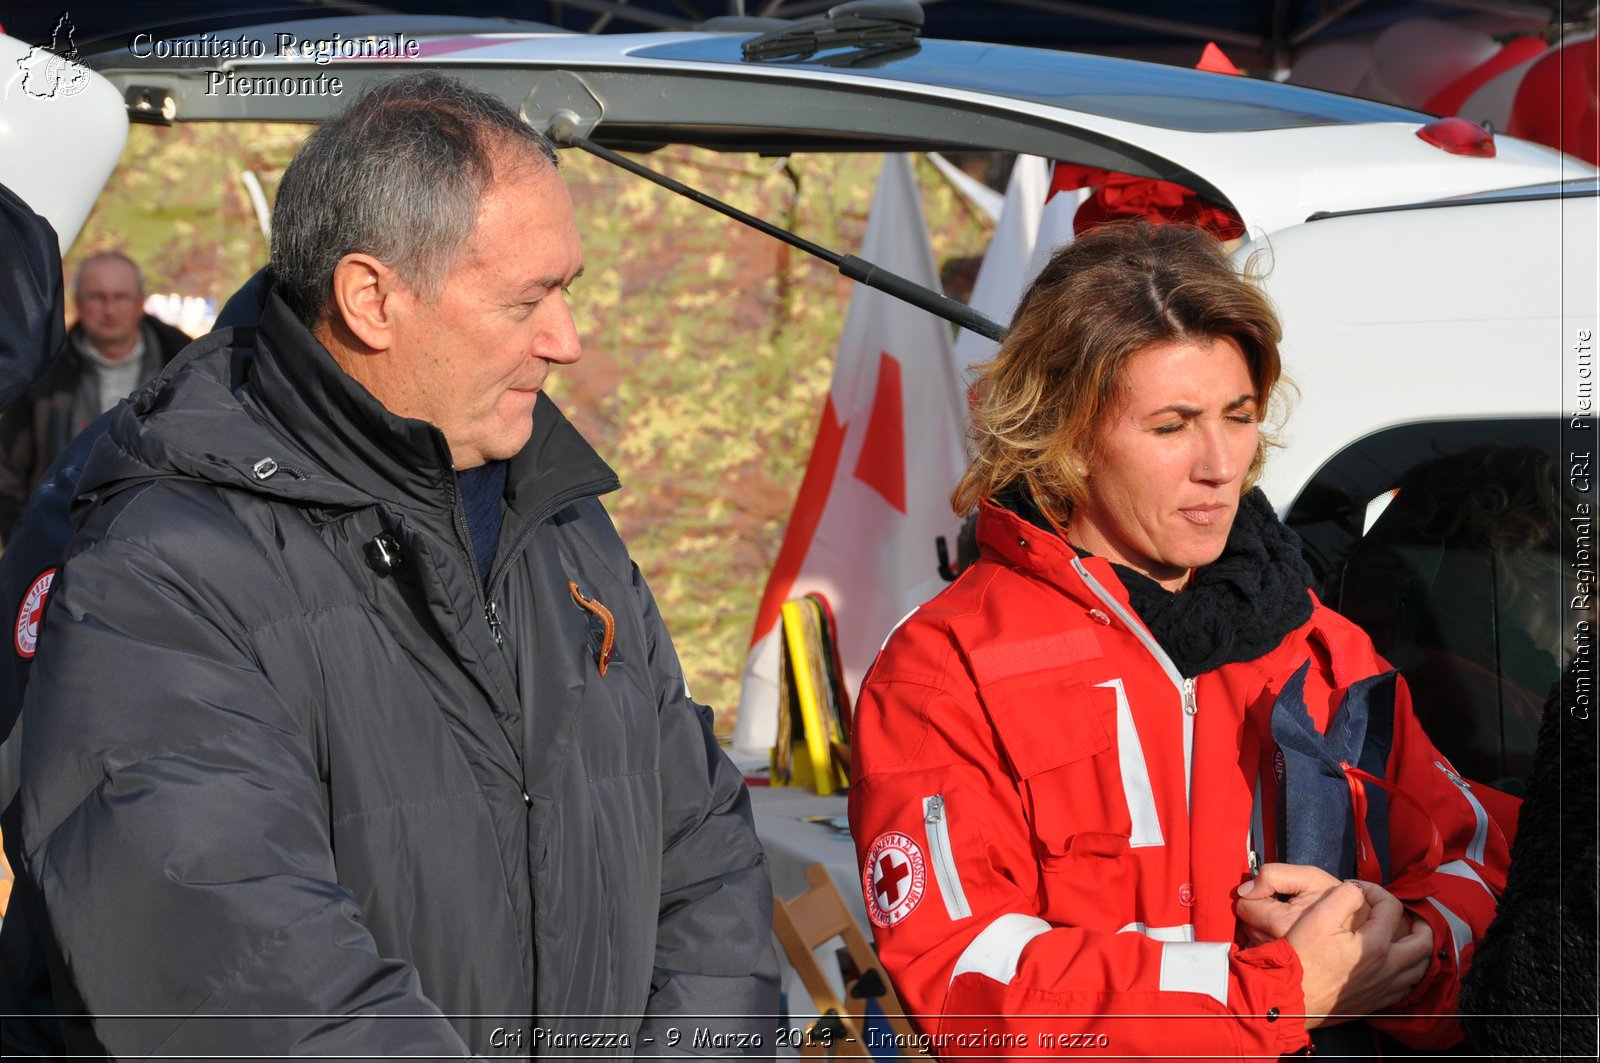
(491, 612)
(944, 862)
(1480, 833)
(1255, 837)
(267, 468)
(458, 512)
(1184, 686)
(565, 498)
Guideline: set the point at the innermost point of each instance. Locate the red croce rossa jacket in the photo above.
(1052, 822)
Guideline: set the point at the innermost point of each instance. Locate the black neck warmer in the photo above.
(1237, 608)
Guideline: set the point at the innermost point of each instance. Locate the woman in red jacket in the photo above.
(1127, 787)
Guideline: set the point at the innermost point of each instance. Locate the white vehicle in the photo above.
(1437, 283)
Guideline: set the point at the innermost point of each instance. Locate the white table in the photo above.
(797, 828)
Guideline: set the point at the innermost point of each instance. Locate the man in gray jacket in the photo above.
(112, 349)
(352, 728)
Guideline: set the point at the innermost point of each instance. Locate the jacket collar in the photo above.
(1015, 541)
(1238, 608)
(303, 395)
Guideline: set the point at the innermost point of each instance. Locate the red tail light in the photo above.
(1459, 137)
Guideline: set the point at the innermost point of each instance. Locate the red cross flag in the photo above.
(876, 493)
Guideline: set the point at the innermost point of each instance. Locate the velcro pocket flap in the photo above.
(1047, 720)
(995, 662)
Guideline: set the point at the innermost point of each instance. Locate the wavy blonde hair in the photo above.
(1100, 300)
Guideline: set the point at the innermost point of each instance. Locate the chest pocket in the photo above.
(1057, 733)
(596, 685)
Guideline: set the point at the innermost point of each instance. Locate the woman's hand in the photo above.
(1271, 903)
(1355, 964)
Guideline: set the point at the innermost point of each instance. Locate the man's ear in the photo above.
(364, 291)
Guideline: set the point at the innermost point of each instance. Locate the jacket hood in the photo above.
(268, 411)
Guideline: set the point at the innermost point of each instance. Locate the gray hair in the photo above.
(108, 256)
(399, 176)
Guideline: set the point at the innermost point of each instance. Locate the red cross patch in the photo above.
(893, 877)
(26, 632)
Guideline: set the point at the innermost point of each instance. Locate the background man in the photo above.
(352, 723)
(114, 347)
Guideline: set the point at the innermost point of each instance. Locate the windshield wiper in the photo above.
(869, 27)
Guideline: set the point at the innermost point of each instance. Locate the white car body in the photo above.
(1435, 313)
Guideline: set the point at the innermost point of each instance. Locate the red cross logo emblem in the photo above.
(888, 875)
(25, 633)
(893, 877)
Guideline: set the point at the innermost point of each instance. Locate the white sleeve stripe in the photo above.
(1161, 933)
(1196, 967)
(1460, 932)
(1462, 869)
(897, 625)
(998, 949)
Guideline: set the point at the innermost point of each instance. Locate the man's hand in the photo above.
(1359, 952)
(1270, 904)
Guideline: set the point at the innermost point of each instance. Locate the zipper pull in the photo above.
(1254, 859)
(1189, 705)
(492, 615)
(935, 809)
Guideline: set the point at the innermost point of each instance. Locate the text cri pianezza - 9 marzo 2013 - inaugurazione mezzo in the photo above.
(319, 50)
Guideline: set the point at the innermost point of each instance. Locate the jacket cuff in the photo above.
(1425, 1018)
(1270, 977)
(1438, 959)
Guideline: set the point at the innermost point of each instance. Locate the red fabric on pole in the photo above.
(1558, 102)
(1449, 98)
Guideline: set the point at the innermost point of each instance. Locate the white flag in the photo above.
(1008, 263)
(876, 492)
(1055, 224)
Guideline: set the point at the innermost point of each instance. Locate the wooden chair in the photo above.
(811, 920)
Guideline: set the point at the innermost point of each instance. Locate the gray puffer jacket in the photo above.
(284, 796)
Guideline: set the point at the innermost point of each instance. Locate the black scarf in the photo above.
(1237, 608)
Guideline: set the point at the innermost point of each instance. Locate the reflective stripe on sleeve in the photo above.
(1196, 967)
(1462, 869)
(1136, 788)
(1480, 831)
(1161, 933)
(1460, 932)
(997, 951)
